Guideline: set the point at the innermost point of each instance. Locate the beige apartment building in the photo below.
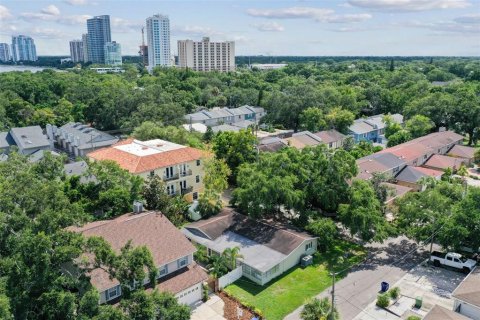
(180, 167)
(206, 56)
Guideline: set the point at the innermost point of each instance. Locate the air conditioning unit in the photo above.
(137, 207)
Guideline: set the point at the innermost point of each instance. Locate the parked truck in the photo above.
(452, 259)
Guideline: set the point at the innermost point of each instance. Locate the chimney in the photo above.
(137, 207)
(77, 141)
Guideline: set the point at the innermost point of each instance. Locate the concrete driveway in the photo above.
(210, 310)
(388, 261)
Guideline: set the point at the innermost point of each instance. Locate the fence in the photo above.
(230, 277)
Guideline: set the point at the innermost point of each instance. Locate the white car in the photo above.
(452, 259)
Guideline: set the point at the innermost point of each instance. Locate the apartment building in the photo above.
(219, 116)
(113, 54)
(5, 52)
(206, 55)
(372, 128)
(98, 35)
(76, 50)
(172, 254)
(180, 167)
(158, 41)
(23, 48)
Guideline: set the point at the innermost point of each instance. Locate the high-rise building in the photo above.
(98, 35)
(113, 54)
(85, 47)
(23, 48)
(206, 56)
(4, 52)
(76, 50)
(158, 41)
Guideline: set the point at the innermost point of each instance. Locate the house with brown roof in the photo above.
(180, 167)
(303, 139)
(467, 296)
(441, 162)
(463, 152)
(332, 138)
(441, 313)
(172, 254)
(268, 250)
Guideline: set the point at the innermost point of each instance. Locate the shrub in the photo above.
(204, 292)
(414, 318)
(394, 293)
(383, 300)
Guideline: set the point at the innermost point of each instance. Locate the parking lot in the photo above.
(433, 285)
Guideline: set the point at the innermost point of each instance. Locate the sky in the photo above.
(266, 27)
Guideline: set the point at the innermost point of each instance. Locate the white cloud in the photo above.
(443, 27)
(61, 19)
(290, 13)
(469, 18)
(189, 30)
(348, 18)
(269, 26)
(47, 33)
(76, 2)
(409, 5)
(51, 10)
(123, 25)
(4, 13)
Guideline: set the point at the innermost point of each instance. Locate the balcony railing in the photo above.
(186, 190)
(186, 173)
(172, 177)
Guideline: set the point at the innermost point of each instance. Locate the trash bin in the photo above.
(418, 302)
(385, 286)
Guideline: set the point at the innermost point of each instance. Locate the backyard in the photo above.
(289, 291)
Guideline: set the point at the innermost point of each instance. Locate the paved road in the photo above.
(361, 286)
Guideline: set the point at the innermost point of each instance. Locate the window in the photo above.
(169, 172)
(308, 246)
(198, 163)
(171, 189)
(197, 179)
(113, 292)
(449, 258)
(182, 262)
(152, 173)
(195, 195)
(163, 271)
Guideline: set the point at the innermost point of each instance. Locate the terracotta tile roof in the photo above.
(469, 289)
(137, 164)
(429, 172)
(443, 162)
(441, 313)
(462, 152)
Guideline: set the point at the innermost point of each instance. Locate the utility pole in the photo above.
(332, 311)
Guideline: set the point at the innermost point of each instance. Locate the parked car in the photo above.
(452, 259)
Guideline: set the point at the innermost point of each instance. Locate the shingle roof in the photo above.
(29, 137)
(469, 289)
(443, 162)
(395, 191)
(441, 313)
(278, 238)
(462, 152)
(88, 137)
(414, 174)
(329, 136)
(359, 126)
(226, 128)
(143, 163)
(151, 229)
(303, 139)
(271, 144)
(6, 140)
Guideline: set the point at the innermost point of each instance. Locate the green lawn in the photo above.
(289, 291)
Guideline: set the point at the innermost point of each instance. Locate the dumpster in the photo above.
(418, 302)
(384, 286)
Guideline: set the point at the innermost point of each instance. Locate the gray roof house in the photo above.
(218, 116)
(30, 139)
(80, 139)
(372, 128)
(268, 250)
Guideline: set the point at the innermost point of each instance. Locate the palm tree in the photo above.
(217, 268)
(231, 255)
(317, 309)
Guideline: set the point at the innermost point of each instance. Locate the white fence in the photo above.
(230, 277)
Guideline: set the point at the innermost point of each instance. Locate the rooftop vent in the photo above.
(137, 207)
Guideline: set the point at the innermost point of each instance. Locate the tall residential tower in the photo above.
(4, 52)
(158, 41)
(206, 56)
(23, 48)
(98, 35)
(113, 54)
(76, 50)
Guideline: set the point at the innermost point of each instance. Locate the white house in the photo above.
(467, 296)
(267, 250)
(172, 253)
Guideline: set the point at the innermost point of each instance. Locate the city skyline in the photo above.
(349, 27)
